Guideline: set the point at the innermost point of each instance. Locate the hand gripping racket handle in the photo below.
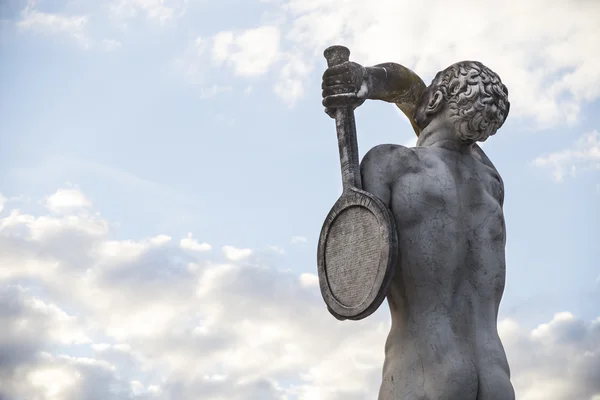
(346, 127)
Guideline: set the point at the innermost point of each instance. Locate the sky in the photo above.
(165, 168)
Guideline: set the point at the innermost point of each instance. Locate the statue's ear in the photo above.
(435, 103)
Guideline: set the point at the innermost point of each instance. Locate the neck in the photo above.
(441, 135)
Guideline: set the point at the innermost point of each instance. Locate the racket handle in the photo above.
(336, 55)
(345, 127)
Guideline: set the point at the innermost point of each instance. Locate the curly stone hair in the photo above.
(476, 97)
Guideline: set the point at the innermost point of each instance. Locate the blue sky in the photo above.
(204, 117)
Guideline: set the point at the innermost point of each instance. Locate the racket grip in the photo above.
(336, 55)
(345, 127)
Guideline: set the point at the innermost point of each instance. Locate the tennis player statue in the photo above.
(446, 199)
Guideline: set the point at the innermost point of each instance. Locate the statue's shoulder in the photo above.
(390, 154)
(387, 162)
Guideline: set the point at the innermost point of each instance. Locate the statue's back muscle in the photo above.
(450, 277)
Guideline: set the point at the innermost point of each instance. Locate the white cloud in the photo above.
(2, 202)
(44, 227)
(290, 84)
(549, 64)
(161, 11)
(67, 200)
(149, 325)
(35, 315)
(545, 73)
(276, 249)
(235, 254)
(37, 21)
(298, 239)
(559, 360)
(583, 156)
(247, 54)
(193, 67)
(123, 251)
(307, 280)
(222, 43)
(250, 53)
(65, 377)
(189, 243)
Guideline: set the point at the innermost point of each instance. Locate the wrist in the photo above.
(364, 87)
(374, 80)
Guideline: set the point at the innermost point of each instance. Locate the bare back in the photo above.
(444, 299)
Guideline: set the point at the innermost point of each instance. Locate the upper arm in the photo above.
(380, 167)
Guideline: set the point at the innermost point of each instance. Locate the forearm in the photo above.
(393, 83)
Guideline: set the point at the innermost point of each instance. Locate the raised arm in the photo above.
(393, 83)
(351, 83)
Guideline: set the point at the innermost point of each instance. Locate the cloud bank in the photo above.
(549, 64)
(583, 156)
(86, 316)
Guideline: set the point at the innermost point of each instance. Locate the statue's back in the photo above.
(449, 281)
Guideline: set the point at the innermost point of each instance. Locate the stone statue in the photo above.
(446, 198)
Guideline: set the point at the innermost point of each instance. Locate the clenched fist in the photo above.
(344, 84)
